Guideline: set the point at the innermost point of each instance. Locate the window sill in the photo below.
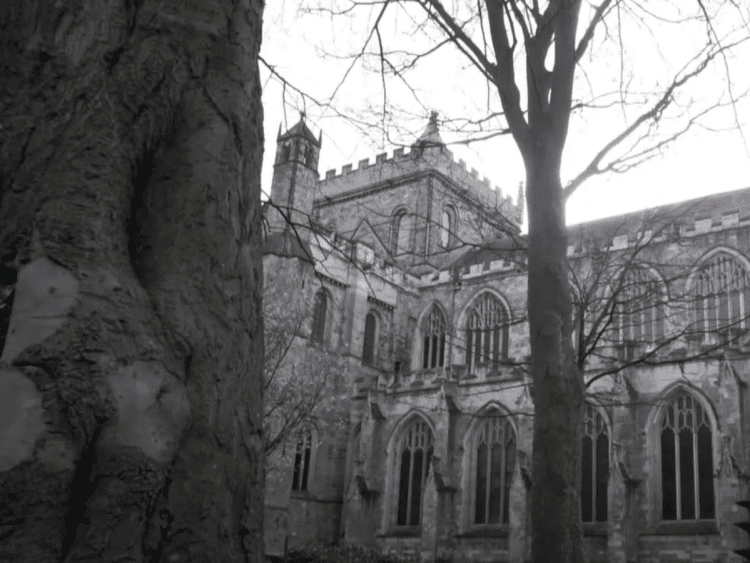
(499, 531)
(403, 532)
(594, 529)
(684, 528)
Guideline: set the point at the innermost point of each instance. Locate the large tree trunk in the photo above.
(130, 383)
(558, 384)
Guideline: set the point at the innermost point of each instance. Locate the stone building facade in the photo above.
(414, 278)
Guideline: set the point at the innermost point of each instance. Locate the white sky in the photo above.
(712, 157)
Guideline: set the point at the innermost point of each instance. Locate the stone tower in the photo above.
(295, 179)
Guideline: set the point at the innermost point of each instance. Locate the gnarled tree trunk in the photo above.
(130, 385)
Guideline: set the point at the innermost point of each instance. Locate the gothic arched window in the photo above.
(495, 451)
(447, 227)
(594, 467)
(414, 451)
(687, 480)
(368, 348)
(302, 458)
(309, 155)
(318, 328)
(433, 339)
(722, 295)
(486, 333)
(400, 234)
(638, 316)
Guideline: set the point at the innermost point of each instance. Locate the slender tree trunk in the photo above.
(130, 384)
(558, 384)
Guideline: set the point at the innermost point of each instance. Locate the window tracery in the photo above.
(433, 334)
(495, 460)
(594, 467)
(302, 460)
(486, 333)
(686, 461)
(415, 451)
(722, 296)
(638, 317)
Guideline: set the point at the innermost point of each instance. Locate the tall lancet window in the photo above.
(447, 227)
(433, 339)
(302, 460)
(400, 233)
(495, 452)
(594, 467)
(687, 469)
(318, 328)
(415, 451)
(370, 340)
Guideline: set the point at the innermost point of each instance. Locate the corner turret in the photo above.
(298, 145)
(295, 179)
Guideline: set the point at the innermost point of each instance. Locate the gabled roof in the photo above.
(366, 233)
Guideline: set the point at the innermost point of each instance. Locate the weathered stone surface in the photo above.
(355, 209)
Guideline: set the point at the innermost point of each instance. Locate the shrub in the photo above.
(347, 553)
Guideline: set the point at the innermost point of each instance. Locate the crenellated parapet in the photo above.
(404, 164)
(692, 218)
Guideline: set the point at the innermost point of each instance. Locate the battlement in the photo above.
(403, 163)
(473, 270)
(691, 218)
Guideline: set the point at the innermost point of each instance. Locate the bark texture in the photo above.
(130, 384)
(556, 530)
(557, 533)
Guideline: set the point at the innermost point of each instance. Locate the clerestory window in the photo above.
(638, 316)
(722, 296)
(447, 227)
(400, 233)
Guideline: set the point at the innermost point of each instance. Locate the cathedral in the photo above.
(408, 275)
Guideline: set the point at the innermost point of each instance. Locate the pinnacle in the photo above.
(431, 134)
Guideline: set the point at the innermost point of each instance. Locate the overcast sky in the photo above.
(309, 51)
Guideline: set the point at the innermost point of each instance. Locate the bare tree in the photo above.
(130, 380)
(296, 376)
(529, 53)
(638, 300)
